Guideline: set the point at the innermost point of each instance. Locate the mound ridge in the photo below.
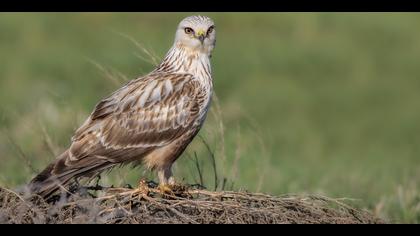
(186, 204)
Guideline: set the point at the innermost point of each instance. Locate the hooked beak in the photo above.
(201, 35)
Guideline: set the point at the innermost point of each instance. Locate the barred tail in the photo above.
(58, 174)
(52, 178)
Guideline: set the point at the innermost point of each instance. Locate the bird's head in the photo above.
(196, 33)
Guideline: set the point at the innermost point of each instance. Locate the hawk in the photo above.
(149, 121)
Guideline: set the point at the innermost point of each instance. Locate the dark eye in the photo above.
(210, 30)
(188, 30)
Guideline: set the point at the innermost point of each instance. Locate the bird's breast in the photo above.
(204, 98)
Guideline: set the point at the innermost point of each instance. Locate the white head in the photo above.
(196, 33)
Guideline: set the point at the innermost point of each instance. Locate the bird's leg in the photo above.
(166, 180)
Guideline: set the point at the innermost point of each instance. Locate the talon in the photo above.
(165, 189)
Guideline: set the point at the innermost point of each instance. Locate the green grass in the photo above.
(310, 102)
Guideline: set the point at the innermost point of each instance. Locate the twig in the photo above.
(171, 209)
(213, 162)
(200, 172)
(153, 57)
(48, 141)
(105, 71)
(22, 154)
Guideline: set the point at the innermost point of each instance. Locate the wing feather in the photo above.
(148, 112)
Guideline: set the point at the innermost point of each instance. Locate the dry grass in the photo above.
(187, 204)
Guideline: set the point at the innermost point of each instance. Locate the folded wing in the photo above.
(146, 113)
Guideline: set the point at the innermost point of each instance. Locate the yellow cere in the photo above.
(201, 32)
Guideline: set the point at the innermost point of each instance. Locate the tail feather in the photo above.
(56, 176)
(49, 181)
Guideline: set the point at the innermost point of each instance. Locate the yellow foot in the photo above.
(172, 190)
(165, 189)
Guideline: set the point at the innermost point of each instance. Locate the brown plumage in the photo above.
(150, 120)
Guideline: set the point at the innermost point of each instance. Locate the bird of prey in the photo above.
(149, 121)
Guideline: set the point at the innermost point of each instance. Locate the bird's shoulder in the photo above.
(146, 92)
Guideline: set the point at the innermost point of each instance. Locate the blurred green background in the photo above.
(324, 103)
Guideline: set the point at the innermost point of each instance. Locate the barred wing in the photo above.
(149, 112)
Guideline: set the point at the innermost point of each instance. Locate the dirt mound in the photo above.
(184, 205)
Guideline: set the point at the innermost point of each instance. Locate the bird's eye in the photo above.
(210, 30)
(188, 30)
